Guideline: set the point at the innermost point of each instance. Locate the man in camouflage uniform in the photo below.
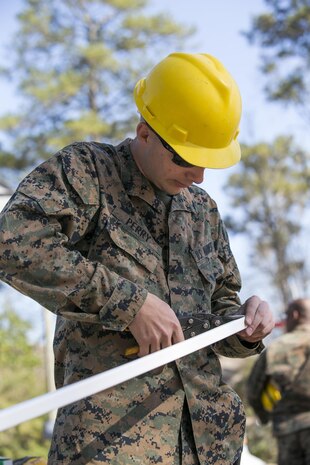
(119, 243)
(286, 365)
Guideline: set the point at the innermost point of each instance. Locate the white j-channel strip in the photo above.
(38, 406)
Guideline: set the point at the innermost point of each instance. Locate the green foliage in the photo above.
(22, 377)
(15, 351)
(24, 440)
(283, 33)
(271, 193)
(76, 64)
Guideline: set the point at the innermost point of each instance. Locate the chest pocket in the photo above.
(131, 244)
(208, 263)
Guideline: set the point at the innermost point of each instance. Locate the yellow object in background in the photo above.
(270, 396)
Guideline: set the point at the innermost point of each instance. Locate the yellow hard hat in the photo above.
(194, 104)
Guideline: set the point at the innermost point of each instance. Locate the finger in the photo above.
(263, 320)
(155, 347)
(260, 332)
(264, 329)
(249, 309)
(178, 335)
(257, 313)
(144, 350)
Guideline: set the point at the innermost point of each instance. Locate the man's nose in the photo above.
(196, 174)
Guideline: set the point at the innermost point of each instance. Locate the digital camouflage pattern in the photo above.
(86, 236)
(286, 362)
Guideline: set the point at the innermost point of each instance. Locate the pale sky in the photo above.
(219, 24)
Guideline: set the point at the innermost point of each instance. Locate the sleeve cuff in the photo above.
(123, 305)
(249, 345)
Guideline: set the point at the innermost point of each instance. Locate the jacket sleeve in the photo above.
(225, 299)
(43, 232)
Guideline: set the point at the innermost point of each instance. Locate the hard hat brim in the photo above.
(204, 157)
(197, 155)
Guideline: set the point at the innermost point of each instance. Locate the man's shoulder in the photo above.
(294, 342)
(299, 335)
(87, 152)
(74, 168)
(278, 344)
(81, 160)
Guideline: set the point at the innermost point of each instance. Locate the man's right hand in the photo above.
(155, 326)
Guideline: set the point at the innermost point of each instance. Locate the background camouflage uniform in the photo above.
(86, 235)
(286, 361)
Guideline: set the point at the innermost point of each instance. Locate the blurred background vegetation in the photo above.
(22, 371)
(74, 64)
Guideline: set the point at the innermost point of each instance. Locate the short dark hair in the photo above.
(302, 306)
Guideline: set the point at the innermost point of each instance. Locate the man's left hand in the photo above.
(258, 319)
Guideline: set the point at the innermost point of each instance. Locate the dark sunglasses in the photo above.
(176, 158)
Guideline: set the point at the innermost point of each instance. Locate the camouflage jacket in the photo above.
(86, 236)
(286, 362)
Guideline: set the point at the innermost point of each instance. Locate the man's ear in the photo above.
(142, 132)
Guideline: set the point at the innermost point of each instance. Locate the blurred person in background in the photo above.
(278, 387)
